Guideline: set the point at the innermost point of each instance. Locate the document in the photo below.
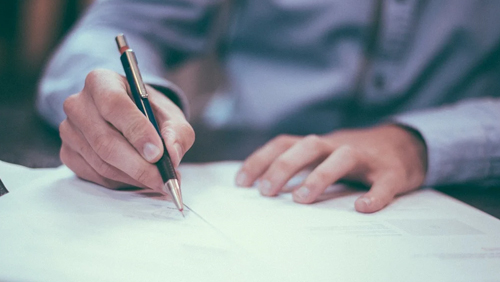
(61, 228)
(15, 176)
(57, 227)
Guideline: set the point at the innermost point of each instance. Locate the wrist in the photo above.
(413, 145)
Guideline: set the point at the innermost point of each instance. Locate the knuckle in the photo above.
(312, 141)
(70, 105)
(348, 151)
(136, 130)
(107, 94)
(250, 164)
(142, 175)
(108, 106)
(93, 76)
(312, 138)
(283, 165)
(84, 149)
(317, 179)
(187, 131)
(63, 130)
(283, 139)
(321, 177)
(104, 146)
(104, 169)
(64, 155)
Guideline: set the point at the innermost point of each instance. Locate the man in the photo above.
(415, 81)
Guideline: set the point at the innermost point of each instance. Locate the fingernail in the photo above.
(265, 187)
(303, 193)
(241, 178)
(150, 152)
(178, 152)
(366, 201)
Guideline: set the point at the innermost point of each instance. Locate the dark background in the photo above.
(30, 29)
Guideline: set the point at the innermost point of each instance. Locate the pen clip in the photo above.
(130, 63)
(136, 74)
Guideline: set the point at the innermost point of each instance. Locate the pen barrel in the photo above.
(134, 77)
(164, 164)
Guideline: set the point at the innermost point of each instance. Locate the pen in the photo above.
(138, 89)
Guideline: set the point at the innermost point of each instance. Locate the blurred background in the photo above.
(29, 31)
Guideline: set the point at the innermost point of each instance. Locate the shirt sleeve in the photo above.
(160, 32)
(463, 141)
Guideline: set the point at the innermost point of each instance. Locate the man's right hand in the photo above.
(107, 140)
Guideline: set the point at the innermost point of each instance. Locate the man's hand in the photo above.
(107, 140)
(390, 159)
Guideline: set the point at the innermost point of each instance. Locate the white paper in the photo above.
(60, 228)
(15, 176)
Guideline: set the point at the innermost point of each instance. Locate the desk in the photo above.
(27, 141)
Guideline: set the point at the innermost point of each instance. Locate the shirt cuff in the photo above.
(457, 143)
(169, 89)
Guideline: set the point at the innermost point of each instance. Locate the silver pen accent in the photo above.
(172, 187)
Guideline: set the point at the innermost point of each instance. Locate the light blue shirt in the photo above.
(313, 66)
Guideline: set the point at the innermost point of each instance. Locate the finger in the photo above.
(109, 93)
(306, 151)
(74, 139)
(258, 162)
(179, 176)
(82, 169)
(109, 144)
(342, 161)
(178, 134)
(380, 195)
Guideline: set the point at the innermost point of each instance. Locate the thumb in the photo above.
(380, 195)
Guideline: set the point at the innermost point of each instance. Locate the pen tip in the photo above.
(182, 214)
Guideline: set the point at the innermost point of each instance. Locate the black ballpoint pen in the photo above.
(138, 89)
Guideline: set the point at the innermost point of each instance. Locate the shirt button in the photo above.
(379, 81)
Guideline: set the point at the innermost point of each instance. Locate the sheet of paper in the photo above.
(16, 176)
(422, 236)
(61, 228)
